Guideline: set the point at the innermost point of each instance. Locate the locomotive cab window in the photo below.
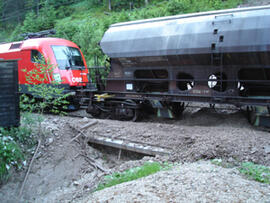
(68, 57)
(36, 56)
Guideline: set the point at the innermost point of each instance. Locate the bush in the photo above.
(44, 88)
(175, 7)
(44, 21)
(13, 142)
(10, 155)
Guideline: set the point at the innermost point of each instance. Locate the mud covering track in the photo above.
(60, 174)
(200, 134)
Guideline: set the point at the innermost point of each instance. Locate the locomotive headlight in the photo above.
(129, 86)
(57, 77)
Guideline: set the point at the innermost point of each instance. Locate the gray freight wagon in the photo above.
(216, 57)
(9, 97)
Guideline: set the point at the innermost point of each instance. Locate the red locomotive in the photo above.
(70, 67)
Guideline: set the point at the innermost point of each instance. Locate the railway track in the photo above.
(190, 107)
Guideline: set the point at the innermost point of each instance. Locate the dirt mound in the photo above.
(196, 182)
(211, 117)
(200, 134)
(57, 167)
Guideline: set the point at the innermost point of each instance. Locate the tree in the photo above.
(12, 11)
(37, 7)
(45, 20)
(45, 89)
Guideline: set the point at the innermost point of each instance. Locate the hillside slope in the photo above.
(85, 23)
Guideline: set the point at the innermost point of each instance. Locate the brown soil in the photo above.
(60, 173)
(203, 134)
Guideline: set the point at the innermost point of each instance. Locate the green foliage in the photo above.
(12, 143)
(256, 172)
(44, 21)
(30, 23)
(16, 34)
(27, 104)
(253, 171)
(178, 6)
(44, 89)
(188, 6)
(222, 163)
(64, 11)
(132, 174)
(119, 5)
(94, 3)
(10, 154)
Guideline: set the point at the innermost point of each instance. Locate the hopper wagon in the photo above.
(216, 57)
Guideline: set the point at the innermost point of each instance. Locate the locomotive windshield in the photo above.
(68, 57)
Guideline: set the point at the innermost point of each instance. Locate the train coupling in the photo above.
(102, 97)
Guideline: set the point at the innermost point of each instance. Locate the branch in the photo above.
(29, 168)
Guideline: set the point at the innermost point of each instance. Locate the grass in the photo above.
(222, 163)
(251, 170)
(255, 172)
(132, 174)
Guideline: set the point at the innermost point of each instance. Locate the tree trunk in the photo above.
(37, 7)
(146, 2)
(110, 5)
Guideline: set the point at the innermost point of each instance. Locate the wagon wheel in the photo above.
(133, 113)
(96, 112)
(251, 116)
(177, 108)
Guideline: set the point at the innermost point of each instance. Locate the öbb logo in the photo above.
(76, 79)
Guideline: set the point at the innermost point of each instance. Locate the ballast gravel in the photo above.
(190, 182)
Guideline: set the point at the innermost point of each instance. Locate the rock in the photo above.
(52, 128)
(267, 149)
(147, 135)
(49, 141)
(231, 160)
(253, 151)
(85, 119)
(55, 120)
